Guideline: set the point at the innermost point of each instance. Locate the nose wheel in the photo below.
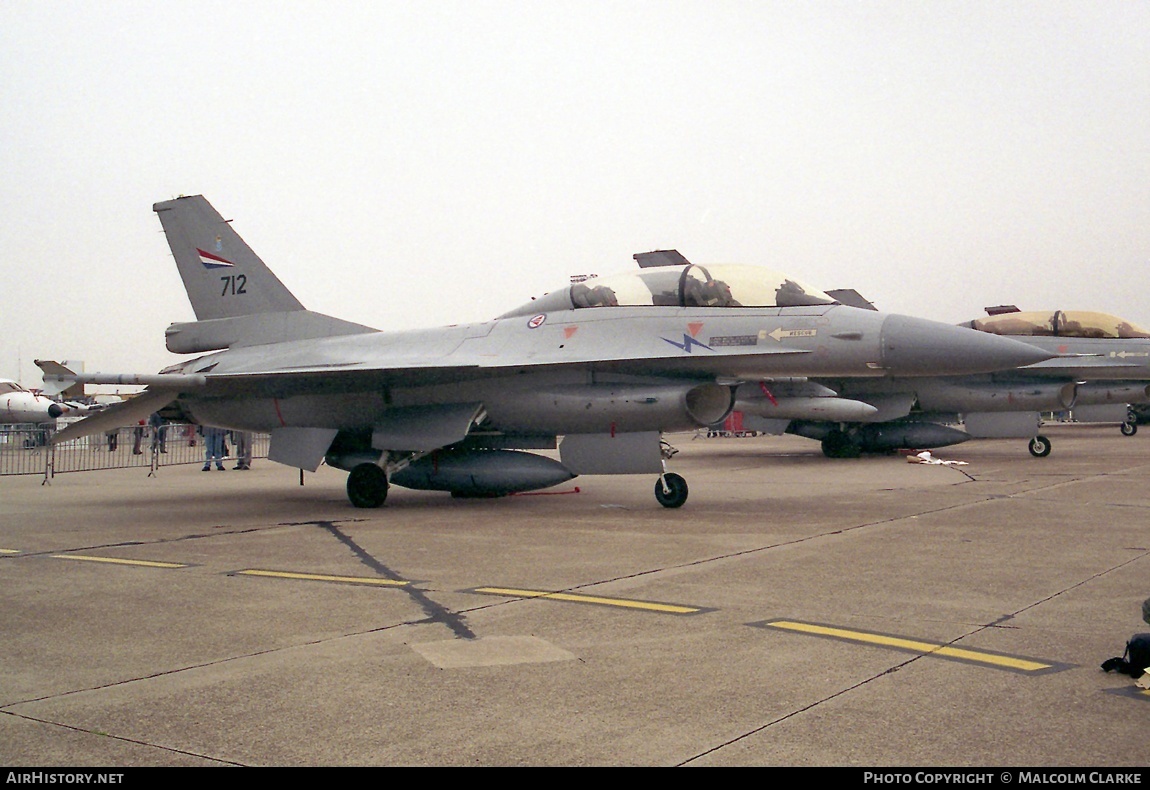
(671, 490)
(1039, 446)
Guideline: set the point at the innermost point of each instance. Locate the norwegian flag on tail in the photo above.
(211, 261)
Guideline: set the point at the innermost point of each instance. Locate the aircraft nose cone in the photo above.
(918, 347)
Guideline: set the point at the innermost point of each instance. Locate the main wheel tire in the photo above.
(1039, 447)
(367, 486)
(676, 492)
(1129, 428)
(840, 445)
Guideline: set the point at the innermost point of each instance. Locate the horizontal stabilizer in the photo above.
(118, 415)
(197, 337)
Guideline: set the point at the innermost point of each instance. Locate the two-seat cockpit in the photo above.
(692, 285)
(1059, 323)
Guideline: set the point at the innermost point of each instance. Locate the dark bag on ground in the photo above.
(1135, 660)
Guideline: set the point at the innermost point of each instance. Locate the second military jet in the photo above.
(1098, 360)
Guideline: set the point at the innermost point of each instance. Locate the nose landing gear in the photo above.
(671, 490)
(1039, 446)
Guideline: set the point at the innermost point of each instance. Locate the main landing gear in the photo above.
(367, 485)
(840, 444)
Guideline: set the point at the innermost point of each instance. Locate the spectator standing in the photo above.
(213, 447)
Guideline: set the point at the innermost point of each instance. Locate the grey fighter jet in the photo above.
(598, 369)
(1101, 362)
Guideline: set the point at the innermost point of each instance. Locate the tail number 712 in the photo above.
(234, 284)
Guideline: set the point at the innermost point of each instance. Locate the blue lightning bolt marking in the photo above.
(689, 343)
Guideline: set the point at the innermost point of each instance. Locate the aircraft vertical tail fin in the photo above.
(223, 276)
(236, 298)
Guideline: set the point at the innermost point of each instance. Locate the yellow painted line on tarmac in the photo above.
(939, 650)
(117, 561)
(9, 551)
(319, 577)
(652, 606)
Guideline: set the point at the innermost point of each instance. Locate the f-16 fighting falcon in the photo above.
(1100, 361)
(598, 369)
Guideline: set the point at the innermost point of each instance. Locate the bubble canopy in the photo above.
(1058, 323)
(693, 285)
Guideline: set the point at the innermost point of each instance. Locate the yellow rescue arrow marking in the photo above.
(779, 334)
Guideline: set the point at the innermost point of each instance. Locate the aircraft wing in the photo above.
(351, 376)
(325, 377)
(285, 380)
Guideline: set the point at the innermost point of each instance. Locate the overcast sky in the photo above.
(423, 163)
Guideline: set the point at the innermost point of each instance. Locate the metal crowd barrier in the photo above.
(25, 449)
